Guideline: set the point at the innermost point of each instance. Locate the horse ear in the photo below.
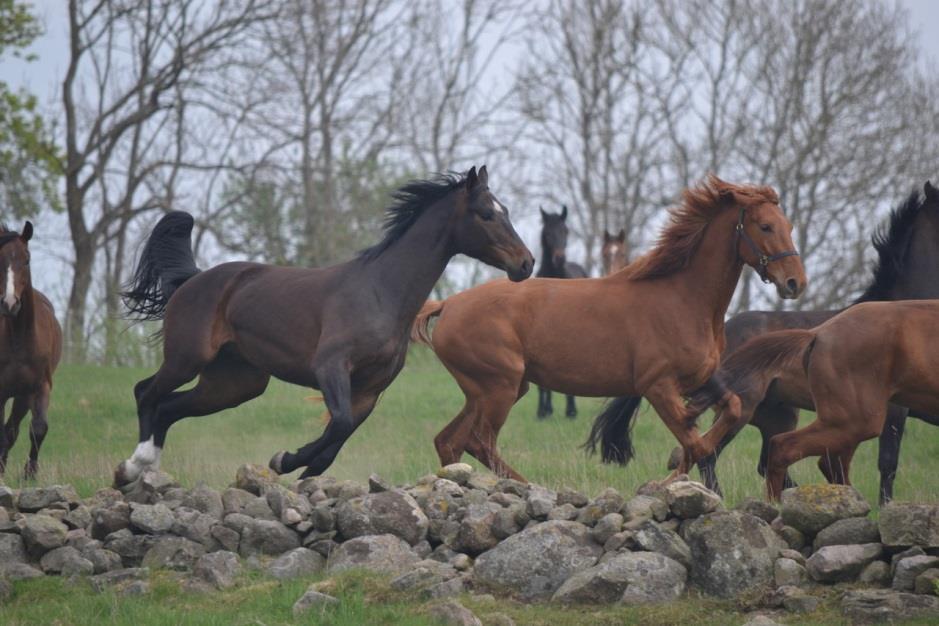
(27, 233)
(471, 178)
(931, 192)
(483, 176)
(726, 195)
(621, 235)
(563, 211)
(544, 214)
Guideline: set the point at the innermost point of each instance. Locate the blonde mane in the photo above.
(687, 223)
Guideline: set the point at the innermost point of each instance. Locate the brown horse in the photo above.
(341, 329)
(849, 369)
(614, 253)
(30, 348)
(655, 329)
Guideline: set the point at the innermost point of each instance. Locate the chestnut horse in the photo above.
(654, 329)
(30, 348)
(554, 265)
(849, 369)
(341, 329)
(907, 266)
(614, 252)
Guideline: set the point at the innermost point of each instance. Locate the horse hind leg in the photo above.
(544, 403)
(888, 453)
(483, 436)
(571, 411)
(772, 421)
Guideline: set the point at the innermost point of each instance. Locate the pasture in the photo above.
(93, 427)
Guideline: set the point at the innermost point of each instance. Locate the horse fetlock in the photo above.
(277, 462)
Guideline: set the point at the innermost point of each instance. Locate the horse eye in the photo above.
(766, 228)
(487, 216)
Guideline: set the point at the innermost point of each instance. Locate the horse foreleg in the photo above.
(38, 427)
(12, 428)
(772, 421)
(494, 410)
(571, 407)
(888, 454)
(667, 402)
(544, 402)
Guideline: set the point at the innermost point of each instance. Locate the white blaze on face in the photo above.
(9, 293)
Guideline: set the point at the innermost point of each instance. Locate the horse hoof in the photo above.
(30, 471)
(674, 460)
(121, 479)
(277, 462)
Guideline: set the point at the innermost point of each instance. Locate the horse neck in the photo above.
(547, 268)
(22, 327)
(708, 282)
(405, 273)
(917, 279)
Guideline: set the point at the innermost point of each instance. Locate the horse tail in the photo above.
(612, 430)
(420, 329)
(165, 263)
(755, 364)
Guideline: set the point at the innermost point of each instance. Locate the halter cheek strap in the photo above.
(763, 259)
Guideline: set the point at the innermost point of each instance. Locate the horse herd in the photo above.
(653, 328)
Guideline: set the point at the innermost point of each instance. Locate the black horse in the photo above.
(907, 269)
(342, 329)
(554, 265)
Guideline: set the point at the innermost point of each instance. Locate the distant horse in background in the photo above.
(654, 329)
(907, 269)
(849, 369)
(614, 253)
(30, 348)
(554, 265)
(342, 329)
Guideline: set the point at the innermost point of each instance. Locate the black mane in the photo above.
(410, 202)
(891, 243)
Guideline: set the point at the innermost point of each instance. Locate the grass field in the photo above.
(93, 427)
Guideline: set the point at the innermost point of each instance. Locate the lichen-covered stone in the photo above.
(810, 508)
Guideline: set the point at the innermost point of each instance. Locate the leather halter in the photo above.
(762, 258)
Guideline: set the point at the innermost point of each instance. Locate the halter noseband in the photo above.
(763, 258)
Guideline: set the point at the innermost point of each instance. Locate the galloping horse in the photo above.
(341, 329)
(848, 368)
(30, 348)
(554, 265)
(654, 329)
(908, 263)
(614, 254)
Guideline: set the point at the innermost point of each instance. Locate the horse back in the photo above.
(745, 326)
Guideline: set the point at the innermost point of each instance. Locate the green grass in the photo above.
(93, 427)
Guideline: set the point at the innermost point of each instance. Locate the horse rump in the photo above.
(612, 431)
(165, 263)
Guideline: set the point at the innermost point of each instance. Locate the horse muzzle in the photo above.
(522, 270)
(10, 311)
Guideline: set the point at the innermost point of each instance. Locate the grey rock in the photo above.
(235, 500)
(629, 577)
(876, 573)
(653, 538)
(42, 533)
(289, 507)
(571, 496)
(445, 589)
(323, 518)
(841, 563)
(129, 546)
(102, 582)
(498, 619)
(153, 519)
(505, 524)
(387, 554)
(904, 524)
(424, 574)
(109, 518)
(205, 500)
(12, 548)
(795, 600)
(19, 571)
(298, 562)
(254, 478)
(795, 555)
(565, 512)
(176, 553)
(927, 582)
(535, 562)
(390, 512)
(904, 578)
(792, 536)
(899, 556)
(457, 472)
(377, 484)
(476, 534)
(313, 599)
(149, 488)
(485, 482)
(237, 522)
(758, 507)
(884, 605)
(608, 501)
(641, 508)
(761, 620)
(134, 588)
(810, 508)
(267, 537)
(688, 500)
(195, 526)
(78, 517)
(853, 530)
(33, 499)
(606, 527)
(7, 497)
(258, 508)
(227, 538)
(461, 561)
(787, 572)
(6, 591)
(622, 539)
(452, 613)
(103, 560)
(66, 561)
(540, 504)
(219, 569)
(732, 552)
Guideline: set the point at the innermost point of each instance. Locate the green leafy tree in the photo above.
(29, 167)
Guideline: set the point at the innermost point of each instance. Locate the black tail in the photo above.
(165, 263)
(612, 429)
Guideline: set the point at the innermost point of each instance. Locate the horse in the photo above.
(554, 265)
(30, 348)
(908, 262)
(849, 368)
(654, 329)
(341, 329)
(614, 253)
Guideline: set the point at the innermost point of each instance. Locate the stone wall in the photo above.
(465, 532)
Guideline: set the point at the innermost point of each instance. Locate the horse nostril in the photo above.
(792, 285)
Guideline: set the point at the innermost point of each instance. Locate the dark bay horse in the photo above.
(554, 264)
(907, 269)
(614, 252)
(849, 369)
(341, 329)
(30, 348)
(654, 329)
